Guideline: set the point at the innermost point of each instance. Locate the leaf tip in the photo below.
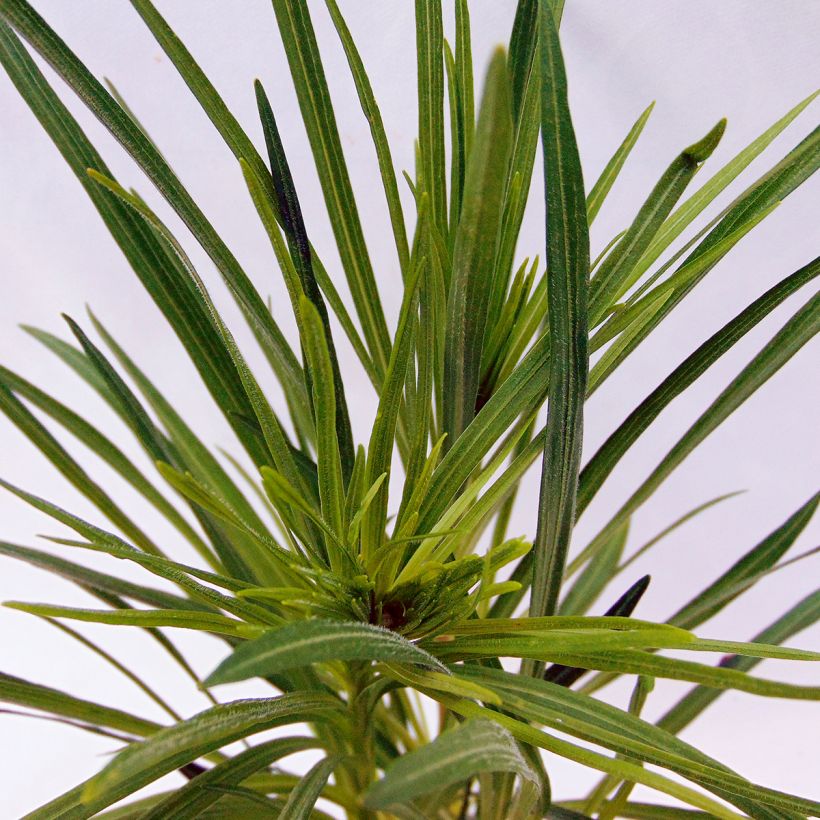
(704, 148)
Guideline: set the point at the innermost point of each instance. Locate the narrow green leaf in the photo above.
(624, 733)
(299, 40)
(92, 579)
(555, 644)
(760, 558)
(102, 447)
(620, 768)
(206, 621)
(604, 183)
(802, 615)
(802, 327)
(271, 428)
(17, 412)
(198, 794)
(302, 256)
(475, 747)
(20, 15)
(328, 458)
(474, 251)
(616, 273)
(302, 799)
(196, 456)
(36, 696)
(695, 204)
(622, 608)
(567, 282)
(382, 436)
(718, 677)
(168, 749)
(159, 271)
(156, 444)
(374, 118)
(773, 187)
(306, 642)
(608, 455)
(430, 51)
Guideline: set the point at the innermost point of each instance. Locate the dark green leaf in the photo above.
(567, 282)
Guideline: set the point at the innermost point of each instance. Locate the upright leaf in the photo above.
(430, 51)
(475, 250)
(302, 255)
(299, 39)
(567, 271)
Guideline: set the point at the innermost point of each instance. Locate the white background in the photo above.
(749, 61)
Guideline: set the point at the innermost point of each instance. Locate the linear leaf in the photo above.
(328, 458)
(475, 251)
(803, 326)
(718, 677)
(695, 204)
(206, 621)
(620, 768)
(616, 272)
(760, 558)
(92, 579)
(198, 794)
(430, 51)
(20, 15)
(567, 283)
(302, 257)
(271, 428)
(383, 433)
(36, 696)
(306, 642)
(197, 457)
(308, 790)
(308, 75)
(477, 746)
(801, 616)
(103, 447)
(168, 749)
(590, 720)
(374, 118)
(604, 183)
(17, 412)
(159, 272)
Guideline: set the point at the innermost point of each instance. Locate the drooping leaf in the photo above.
(199, 793)
(36, 696)
(168, 749)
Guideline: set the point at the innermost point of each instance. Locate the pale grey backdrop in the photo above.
(749, 61)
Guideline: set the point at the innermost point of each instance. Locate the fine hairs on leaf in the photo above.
(417, 655)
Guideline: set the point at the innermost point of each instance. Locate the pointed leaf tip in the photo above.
(703, 149)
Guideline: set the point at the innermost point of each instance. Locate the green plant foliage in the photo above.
(363, 581)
